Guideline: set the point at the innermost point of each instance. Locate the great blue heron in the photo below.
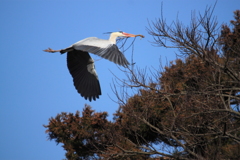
(81, 65)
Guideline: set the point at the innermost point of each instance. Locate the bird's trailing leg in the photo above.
(51, 50)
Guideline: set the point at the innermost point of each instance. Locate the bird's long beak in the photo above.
(129, 35)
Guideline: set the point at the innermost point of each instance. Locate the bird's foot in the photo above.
(51, 50)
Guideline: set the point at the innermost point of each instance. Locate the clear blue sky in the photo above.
(36, 85)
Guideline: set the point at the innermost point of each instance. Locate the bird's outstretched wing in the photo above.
(103, 48)
(81, 67)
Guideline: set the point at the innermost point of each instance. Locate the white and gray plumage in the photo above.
(81, 65)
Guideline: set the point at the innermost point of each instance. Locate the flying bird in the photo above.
(81, 65)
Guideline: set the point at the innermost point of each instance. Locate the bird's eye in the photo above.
(120, 31)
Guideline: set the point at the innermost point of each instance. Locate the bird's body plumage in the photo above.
(103, 48)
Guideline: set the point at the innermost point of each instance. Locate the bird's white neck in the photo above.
(114, 36)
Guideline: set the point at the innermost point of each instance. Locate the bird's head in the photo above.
(114, 35)
(123, 34)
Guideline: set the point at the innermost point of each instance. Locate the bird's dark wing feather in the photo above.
(102, 48)
(81, 67)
